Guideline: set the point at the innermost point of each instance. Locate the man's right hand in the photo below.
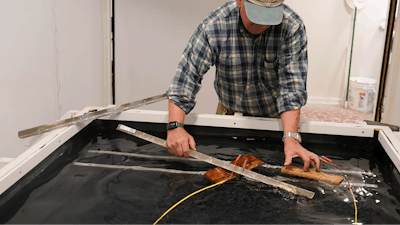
(179, 141)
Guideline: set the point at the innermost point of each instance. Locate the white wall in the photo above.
(329, 26)
(51, 57)
(151, 35)
(393, 107)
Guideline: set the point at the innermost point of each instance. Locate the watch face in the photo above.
(172, 125)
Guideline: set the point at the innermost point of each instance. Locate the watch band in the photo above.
(173, 125)
(293, 135)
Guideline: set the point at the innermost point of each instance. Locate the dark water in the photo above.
(97, 195)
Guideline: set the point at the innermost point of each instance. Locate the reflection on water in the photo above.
(100, 195)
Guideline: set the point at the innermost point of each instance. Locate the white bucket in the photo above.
(362, 93)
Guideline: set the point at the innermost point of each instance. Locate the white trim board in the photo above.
(242, 122)
(397, 135)
(391, 145)
(25, 162)
(324, 101)
(49, 142)
(107, 51)
(4, 161)
(45, 145)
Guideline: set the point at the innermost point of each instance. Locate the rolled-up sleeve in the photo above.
(196, 60)
(293, 71)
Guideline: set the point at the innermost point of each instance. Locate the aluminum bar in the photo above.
(223, 164)
(144, 156)
(368, 173)
(89, 116)
(139, 168)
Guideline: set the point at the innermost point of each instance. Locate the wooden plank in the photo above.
(312, 174)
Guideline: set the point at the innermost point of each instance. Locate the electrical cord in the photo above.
(329, 161)
(198, 191)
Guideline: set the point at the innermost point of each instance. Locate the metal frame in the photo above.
(391, 145)
(242, 122)
(49, 142)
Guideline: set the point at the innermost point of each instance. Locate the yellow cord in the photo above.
(354, 198)
(324, 159)
(221, 182)
(355, 205)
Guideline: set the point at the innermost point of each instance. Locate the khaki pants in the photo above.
(221, 110)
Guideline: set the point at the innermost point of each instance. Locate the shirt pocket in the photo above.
(270, 77)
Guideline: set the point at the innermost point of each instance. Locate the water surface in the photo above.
(79, 194)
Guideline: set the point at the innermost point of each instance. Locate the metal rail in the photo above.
(223, 164)
(268, 166)
(139, 168)
(144, 155)
(89, 116)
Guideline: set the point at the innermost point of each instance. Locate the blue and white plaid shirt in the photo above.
(259, 75)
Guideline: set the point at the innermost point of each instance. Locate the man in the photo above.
(259, 48)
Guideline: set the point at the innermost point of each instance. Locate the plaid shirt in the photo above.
(259, 75)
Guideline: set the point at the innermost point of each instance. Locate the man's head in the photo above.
(262, 12)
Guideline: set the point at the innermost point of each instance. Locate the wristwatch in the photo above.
(293, 135)
(173, 125)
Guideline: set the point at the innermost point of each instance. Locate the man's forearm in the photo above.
(290, 121)
(178, 140)
(175, 113)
